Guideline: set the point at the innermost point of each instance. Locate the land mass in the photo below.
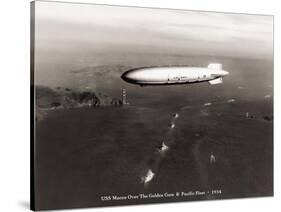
(64, 98)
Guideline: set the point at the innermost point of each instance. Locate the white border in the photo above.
(14, 105)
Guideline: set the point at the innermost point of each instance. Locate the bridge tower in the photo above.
(124, 96)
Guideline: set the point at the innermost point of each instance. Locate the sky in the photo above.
(73, 36)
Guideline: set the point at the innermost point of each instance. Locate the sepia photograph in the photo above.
(134, 105)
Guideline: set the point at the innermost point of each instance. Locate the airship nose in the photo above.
(129, 76)
(123, 76)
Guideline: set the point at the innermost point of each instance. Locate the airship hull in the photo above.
(174, 75)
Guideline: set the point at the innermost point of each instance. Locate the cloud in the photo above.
(66, 27)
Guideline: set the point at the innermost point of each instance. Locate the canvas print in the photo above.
(135, 105)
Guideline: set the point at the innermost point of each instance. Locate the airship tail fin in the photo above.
(216, 66)
(215, 81)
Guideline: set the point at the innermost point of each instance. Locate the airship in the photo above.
(171, 75)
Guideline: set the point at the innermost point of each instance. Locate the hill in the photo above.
(63, 98)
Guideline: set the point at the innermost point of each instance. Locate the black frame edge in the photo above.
(32, 124)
